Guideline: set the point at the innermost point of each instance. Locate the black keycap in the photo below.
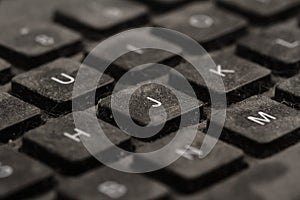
(16, 117)
(155, 97)
(262, 11)
(32, 43)
(109, 184)
(101, 17)
(21, 176)
(58, 144)
(278, 50)
(5, 71)
(261, 126)
(190, 173)
(289, 91)
(205, 23)
(134, 58)
(50, 87)
(273, 179)
(241, 78)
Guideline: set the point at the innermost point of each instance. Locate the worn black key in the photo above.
(205, 23)
(5, 71)
(190, 172)
(32, 43)
(289, 91)
(273, 179)
(107, 184)
(241, 78)
(48, 143)
(16, 117)
(262, 11)
(261, 126)
(278, 50)
(21, 175)
(101, 17)
(134, 58)
(50, 87)
(155, 97)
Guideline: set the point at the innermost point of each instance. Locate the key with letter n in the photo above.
(261, 126)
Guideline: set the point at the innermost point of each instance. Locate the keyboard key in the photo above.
(48, 143)
(32, 43)
(278, 50)
(101, 17)
(151, 96)
(289, 91)
(262, 11)
(107, 184)
(16, 117)
(134, 58)
(261, 126)
(205, 23)
(5, 71)
(241, 78)
(20, 175)
(50, 87)
(190, 173)
(275, 178)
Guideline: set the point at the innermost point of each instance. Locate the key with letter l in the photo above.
(50, 86)
(261, 126)
(278, 50)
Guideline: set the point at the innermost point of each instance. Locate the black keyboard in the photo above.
(256, 47)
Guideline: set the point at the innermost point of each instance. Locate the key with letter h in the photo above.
(261, 126)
